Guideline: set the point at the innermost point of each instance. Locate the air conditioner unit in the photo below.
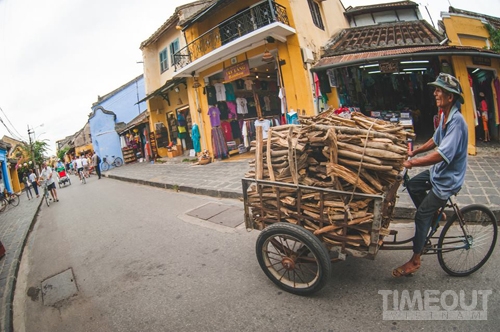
(307, 55)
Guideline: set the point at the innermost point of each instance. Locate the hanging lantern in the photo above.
(25, 164)
(267, 56)
(30, 162)
(196, 84)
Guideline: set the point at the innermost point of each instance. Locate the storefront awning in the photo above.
(140, 119)
(353, 59)
(168, 85)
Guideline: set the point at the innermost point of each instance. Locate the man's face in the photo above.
(443, 98)
(44, 165)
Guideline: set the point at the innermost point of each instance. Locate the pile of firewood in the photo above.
(356, 155)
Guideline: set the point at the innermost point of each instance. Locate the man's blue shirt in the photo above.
(447, 177)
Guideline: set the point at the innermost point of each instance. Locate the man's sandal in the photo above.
(401, 272)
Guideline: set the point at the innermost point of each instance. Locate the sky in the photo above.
(57, 56)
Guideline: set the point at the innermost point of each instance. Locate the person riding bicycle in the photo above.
(79, 167)
(47, 175)
(85, 164)
(431, 189)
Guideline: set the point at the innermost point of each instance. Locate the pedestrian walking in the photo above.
(27, 186)
(96, 162)
(34, 181)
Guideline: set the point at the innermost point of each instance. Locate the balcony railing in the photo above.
(234, 27)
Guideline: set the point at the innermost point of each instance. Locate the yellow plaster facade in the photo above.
(468, 31)
(297, 78)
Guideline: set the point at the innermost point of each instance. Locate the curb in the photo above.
(8, 316)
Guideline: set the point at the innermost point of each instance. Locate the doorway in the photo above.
(485, 105)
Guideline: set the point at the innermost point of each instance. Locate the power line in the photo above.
(18, 137)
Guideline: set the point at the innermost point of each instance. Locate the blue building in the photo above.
(4, 167)
(117, 107)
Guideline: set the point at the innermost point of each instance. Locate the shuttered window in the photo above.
(163, 60)
(316, 14)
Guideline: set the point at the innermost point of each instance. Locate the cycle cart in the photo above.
(300, 240)
(63, 178)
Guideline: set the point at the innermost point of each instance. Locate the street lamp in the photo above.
(32, 131)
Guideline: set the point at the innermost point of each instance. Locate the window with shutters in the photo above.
(316, 14)
(163, 60)
(174, 48)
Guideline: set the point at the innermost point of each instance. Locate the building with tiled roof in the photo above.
(383, 36)
(382, 13)
(383, 68)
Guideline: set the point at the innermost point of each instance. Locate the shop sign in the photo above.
(389, 67)
(481, 61)
(237, 71)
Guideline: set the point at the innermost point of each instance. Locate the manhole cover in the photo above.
(220, 214)
(59, 287)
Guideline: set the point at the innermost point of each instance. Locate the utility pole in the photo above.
(31, 149)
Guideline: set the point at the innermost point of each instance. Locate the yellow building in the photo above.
(82, 141)
(167, 97)
(480, 69)
(256, 53)
(381, 65)
(18, 157)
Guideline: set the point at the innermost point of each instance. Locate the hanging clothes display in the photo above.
(195, 136)
(219, 143)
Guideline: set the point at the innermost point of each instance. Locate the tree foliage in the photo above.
(494, 38)
(61, 153)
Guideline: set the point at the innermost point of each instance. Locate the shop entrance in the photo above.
(237, 106)
(486, 108)
(392, 90)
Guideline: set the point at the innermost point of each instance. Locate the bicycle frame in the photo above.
(398, 245)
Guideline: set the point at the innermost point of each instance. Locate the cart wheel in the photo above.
(69, 181)
(59, 185)
(293, 258)
(461, 254)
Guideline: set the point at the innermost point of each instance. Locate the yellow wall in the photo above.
(84, 149)
(465, 31)
(14, 179)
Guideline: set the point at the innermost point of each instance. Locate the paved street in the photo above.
(140, 262)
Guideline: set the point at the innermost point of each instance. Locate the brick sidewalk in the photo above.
(15, 224)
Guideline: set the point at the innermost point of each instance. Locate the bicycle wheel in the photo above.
(47, 199)
(3, 204)
(14, 200)
(293, 258)
(84, 181)
(118, 161)
(104, 166)
(462, 251)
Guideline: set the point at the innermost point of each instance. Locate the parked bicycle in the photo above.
(8, 198)
(116, 162)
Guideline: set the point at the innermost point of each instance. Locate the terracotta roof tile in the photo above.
(383, 36)
(365, 57)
